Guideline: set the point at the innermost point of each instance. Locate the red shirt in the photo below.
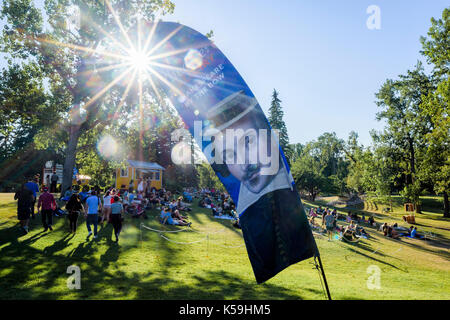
(46, 200)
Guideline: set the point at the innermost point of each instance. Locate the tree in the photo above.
(322, 166)
(406, 126)
(276, 122)
(436, 164)
(307, 172)
(436, 48)
(208, 178)
(24, 110)
(297, 150)
(65, 55)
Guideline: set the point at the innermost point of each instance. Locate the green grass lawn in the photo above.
(146, 266)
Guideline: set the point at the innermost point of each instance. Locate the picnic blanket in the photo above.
(225, 217)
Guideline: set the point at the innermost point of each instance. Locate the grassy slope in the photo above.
(146, 266)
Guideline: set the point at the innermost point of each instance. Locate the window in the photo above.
(124, 172)
(157, 175)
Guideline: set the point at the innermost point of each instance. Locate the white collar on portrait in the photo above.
(246, 198)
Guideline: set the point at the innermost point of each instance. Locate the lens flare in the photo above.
(77, 115)
(107, 147)
(193, 59)
(139, 60)
(181, 153)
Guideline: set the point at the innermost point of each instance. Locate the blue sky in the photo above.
(320, 55)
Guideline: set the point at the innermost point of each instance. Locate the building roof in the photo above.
(144, 165)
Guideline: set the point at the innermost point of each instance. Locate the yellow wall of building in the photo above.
(132, 175)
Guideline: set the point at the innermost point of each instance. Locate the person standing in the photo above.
(141, 185)
(47, 181)
(116, 216)
(93, 206)
(25, 198)
(329, 222)
(106, 212)
(74, 206)
(48, 204)
(131, 186)
(34, 187)
(54, 181)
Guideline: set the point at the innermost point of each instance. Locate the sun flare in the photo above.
(139, 60)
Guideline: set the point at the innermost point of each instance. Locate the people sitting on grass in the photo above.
(143, 201)
(371, 221)
(182, 206)
(166, 218)
(208, 202)
(359, 230)
(389, 231)
(187, 196)
(154, 201)
(137, 208)
(217, 211)
(414, 234)
(173, 204)
(340, 216)
(176, 215)
(350, 231)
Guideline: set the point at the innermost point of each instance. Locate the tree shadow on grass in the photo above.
(30, 273)
(58, 245)
(375, 259)
(216, 285)
(444, 253)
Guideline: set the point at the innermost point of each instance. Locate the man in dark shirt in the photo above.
(25, 198)
(54, 180)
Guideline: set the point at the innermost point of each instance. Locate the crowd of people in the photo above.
(354, 229)
(99, 206)
(109, 205)
(395, 231)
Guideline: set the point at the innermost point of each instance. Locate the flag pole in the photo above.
(323, 276)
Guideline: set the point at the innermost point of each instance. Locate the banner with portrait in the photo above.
(227, 122)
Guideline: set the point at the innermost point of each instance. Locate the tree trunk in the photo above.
(446, 206)
(69, 162)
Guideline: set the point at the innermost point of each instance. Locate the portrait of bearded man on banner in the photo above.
(247, 148)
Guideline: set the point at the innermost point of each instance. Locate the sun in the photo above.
(133, 57)
(139, 60)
